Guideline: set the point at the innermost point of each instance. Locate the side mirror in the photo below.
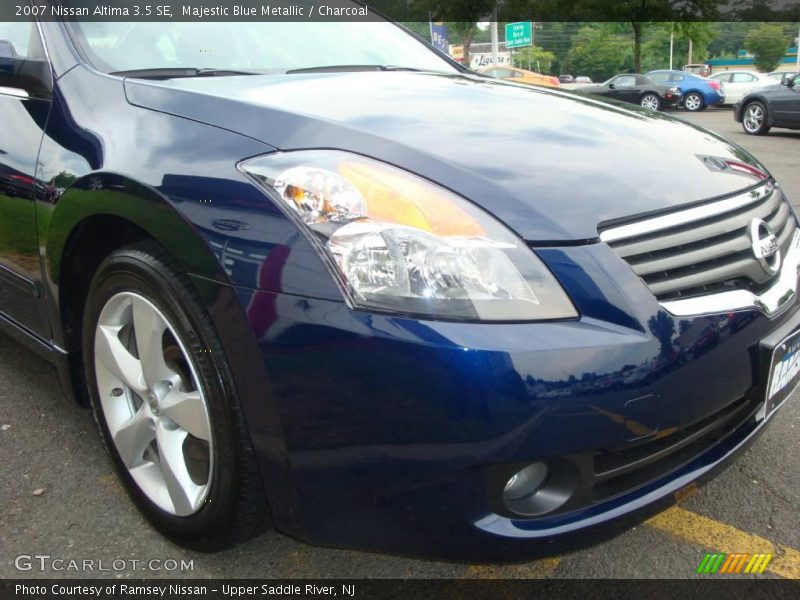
(23, 76)
(611, 86)
(787, 80)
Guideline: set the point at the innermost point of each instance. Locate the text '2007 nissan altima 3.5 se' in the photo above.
(303, 283)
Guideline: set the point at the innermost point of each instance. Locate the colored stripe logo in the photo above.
(734, 563)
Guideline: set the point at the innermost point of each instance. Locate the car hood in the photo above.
(552, 165)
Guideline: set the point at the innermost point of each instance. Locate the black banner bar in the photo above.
(403, 10)
(608, 589)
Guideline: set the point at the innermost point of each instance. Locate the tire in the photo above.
(755, 119)
(166, 405)
(650, 101)
(694, 102)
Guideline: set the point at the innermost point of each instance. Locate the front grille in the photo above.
(591, 477)
(705, 248)
(619, 471)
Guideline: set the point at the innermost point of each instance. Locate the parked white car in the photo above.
(737, 84)
(778, 76)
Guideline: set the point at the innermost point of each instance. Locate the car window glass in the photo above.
(796, 82)
(676, 77)
(23, 36)
(742, 78)
(257, 45)
(625, 81)
(723, 77)
(658, 77)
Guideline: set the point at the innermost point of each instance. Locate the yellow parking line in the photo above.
(538, 569)
(710, 534)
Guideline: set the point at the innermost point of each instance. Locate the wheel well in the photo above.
(89, 243)
(750, 101)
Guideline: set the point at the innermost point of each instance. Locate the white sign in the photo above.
(484, 59)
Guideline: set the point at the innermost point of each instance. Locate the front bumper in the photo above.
(395, 434)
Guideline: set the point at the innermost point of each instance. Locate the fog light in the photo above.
(540, 488)
(524, 484)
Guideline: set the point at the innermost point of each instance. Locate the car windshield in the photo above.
(253, 47)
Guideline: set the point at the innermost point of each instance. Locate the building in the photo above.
(746, 61)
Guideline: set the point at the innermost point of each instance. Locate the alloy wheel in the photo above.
(154, 407)
(753, 118)
(693, 102)
(650, 101)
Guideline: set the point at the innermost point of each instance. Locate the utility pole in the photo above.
(797, 48)
(688, 62)
(494, 37)
(671, 43)
(533, 45)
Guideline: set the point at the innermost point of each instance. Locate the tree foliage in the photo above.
(461, 17)
(768, 44)
(599, 54)
(535, 58)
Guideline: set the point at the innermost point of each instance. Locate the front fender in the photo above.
(116, 195)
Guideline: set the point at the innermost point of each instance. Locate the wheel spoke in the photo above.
(187, 410)
(133, 437)
(149, 328)
(117, 359)
(150, 420)
(181, 489)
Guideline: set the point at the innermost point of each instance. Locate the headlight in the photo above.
(399, 243)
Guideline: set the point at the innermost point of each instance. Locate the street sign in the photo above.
(519, 34)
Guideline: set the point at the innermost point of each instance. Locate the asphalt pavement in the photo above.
(59, 496)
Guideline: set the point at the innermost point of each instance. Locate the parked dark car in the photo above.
(297, 290)
(636, 89)
(698, 92)
(770, 106)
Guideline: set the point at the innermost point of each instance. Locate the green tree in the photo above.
(535, 58)
(768, 44)
(655, 50)
(597, 53)
(461, 18)
(421, 28)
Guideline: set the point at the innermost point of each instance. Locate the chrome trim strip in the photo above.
(15, 92)
(686, 216)
(771, 302)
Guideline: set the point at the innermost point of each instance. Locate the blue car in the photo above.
(303, 283)
(698, 92)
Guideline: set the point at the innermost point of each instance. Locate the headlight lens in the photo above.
(399, 243)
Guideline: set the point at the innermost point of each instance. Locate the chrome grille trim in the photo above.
(771, 302)
(684, 217)
(701, 259)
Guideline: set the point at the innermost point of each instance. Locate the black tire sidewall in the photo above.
(142, 274)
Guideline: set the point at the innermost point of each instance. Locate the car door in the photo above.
(24, 106)
(625, 88)
(786, 104)
(740, 85)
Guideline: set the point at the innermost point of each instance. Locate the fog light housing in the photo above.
(525, 483)
(536, 490)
